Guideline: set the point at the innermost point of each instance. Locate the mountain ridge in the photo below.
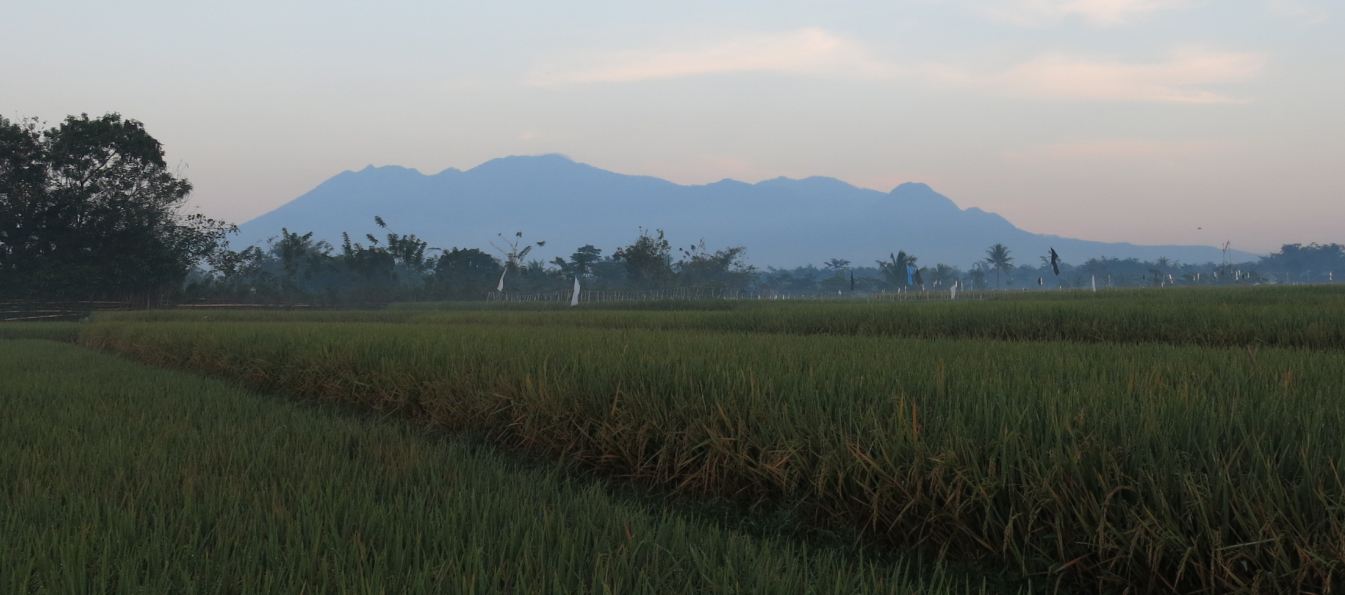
(783, 222)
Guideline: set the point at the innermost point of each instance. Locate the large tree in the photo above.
(465, 273)
(721, 269)
(648, 260)
(89, 209)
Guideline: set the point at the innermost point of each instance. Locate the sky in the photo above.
(1153, 121)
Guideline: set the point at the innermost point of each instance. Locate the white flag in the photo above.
(500, 287)
(1094, 281)
(574, 297)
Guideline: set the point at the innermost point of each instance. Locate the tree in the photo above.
(837, 281)
(648, 260)
(1311, 262)
(977, 275)
(943, 275)
(89, 209)
(998, 259)
(897, 268)
(465, 273)
(836, 264)
(722, 269)
(384, 270)
(300, 258)
(581, 261)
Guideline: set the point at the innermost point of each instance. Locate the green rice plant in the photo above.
(1098, 467)
(119, 478)
(1301, 317)
(54, 331)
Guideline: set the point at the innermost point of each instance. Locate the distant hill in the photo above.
(782, 222)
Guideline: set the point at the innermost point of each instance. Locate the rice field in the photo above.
(120, 478)
(1164, 441)
(1297, 317)
(55, 331)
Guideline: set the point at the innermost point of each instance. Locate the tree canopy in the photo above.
(89, 209)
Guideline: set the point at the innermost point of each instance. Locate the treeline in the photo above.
(394, 267)
(89, 210)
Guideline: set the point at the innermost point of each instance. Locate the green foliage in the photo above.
(894, 269)
(54, 331)
(1206, 464)
(89, 209)
(465, 273)
(581, 263)
(721, 269)
(1297, 317)
(999, 260)
(1313, 263)
(123, 479)
(648, 260)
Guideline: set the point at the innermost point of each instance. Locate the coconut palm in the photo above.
(998, 259)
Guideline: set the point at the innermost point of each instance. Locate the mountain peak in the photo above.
(785, 222)
(372, 169)
(912, 187)
(921, 195)
(528, 162)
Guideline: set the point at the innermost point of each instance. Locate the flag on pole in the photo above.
(574, 297)
(1094, 282)
(500, 287)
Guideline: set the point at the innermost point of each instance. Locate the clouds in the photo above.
(1095, 12)
(809, 51)
(1190, 76)
(1113, 13)
(1112, 150)
(1306, 11)
(1185, 76)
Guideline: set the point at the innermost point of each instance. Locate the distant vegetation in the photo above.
(90, 210)
(294, 267)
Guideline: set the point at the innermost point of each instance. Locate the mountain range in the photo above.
(782, 222)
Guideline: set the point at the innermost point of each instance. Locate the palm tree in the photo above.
(895, 267)
(997, 257)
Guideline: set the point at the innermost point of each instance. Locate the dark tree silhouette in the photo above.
(90, 209)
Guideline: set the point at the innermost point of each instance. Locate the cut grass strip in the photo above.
(115, 477)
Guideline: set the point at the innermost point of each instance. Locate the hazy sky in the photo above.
(1103, 119)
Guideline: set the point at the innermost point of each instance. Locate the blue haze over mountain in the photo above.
(782, 222)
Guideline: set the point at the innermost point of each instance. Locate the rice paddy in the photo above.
(1138, 441)
(117, 478)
